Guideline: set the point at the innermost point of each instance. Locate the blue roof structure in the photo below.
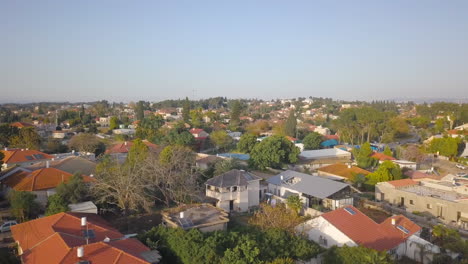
(329, 143)
(235, 156)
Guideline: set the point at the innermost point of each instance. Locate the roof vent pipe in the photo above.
(393, 221)
(181, 214)
(83, 221)
(80, 252)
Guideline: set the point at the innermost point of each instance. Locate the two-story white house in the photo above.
(235, 190)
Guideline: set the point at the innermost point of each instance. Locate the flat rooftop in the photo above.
(432, 192)
(193, 216)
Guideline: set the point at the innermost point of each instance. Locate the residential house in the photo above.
(348, 226)
(21, 125)
(406, 164)
(70, 238)
(314, 159)
(103, 121)
(316, 193)
(203, 217)
(22, 157)
(341, 171)
(198, 133)
(204, 161)
(41, 182)
(120, 150)
(71, 164)
(381, 157)
(235, 190)
(446, 200)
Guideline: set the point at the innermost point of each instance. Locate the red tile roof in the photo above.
(417, 175)
(364, 231)
(124, 147)
(54, 239)
(21, 124)
(381, 156)
(18, 156)
(332, 137)
(196, 130)
(403, 183)
(41, 179)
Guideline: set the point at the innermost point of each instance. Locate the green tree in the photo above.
(140, 110)
(352, 255)
(196, 117)
(235, 113)
(363, 158)
(387, 171)
(221, 139)
(27, 138)
(446, 146)
(388, 151)
(7, 132)
(312, 141)
(226, 165)
(186, 110)
(294, 202)
(274, 151)
(179, 137)
(247, 142)
(23, 204)
(149, 128)
(290, 125)
(56, 204)
(73, 191)
(114, 122)
(138, 152)
(277, 217)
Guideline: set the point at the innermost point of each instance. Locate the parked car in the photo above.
(7, 226)
(461, 174)
(460, 166)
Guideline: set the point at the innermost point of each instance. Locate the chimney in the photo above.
(181, 215)
(83, 221)
(80, 252)
(47, 164)
(393, 221)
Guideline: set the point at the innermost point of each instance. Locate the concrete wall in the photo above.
(319, 229)
(414, 202)
(254, 193)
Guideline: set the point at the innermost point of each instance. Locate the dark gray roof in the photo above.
(71, 165)
(232, 178)
(308, 184)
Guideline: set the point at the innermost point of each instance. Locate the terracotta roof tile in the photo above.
(403, 183)
(18, 155)
(21, 124)
(54, 239)
(381, 156)
(124, 147)
(43, 179)
(364, 231)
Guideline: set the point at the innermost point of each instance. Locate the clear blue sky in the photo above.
(153, 50)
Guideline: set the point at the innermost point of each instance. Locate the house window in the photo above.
(234, 189)
(429, 206)
(411, 202)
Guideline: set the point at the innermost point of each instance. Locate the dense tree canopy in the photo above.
(274, 151)
(26, 138)
(446, 146)
(238, 246)
(352, 255)
(387, 171)
(363, 158)
(221, 139)
(312, 141)
(247, 142)
(290, 126)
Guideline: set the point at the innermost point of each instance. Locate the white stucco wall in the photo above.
(253, 193)
(320, 227)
